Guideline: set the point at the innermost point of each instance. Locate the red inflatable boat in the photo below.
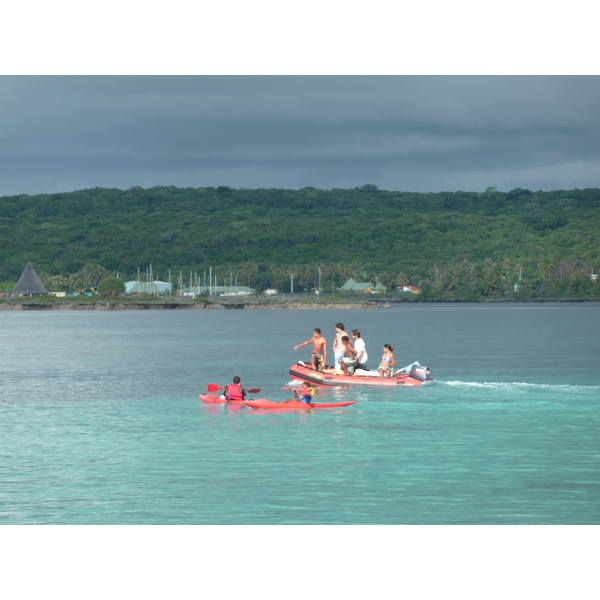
(417, 375)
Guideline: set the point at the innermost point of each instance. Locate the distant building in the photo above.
(349, 285)
(270, 292)
(29, 283)
(162, 287)
(353, 286)
(362, 288)
(148, 287)
(410, 289)
(221, 290)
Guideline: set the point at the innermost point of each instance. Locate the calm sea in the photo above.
(101, 421)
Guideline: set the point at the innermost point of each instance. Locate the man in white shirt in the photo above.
(359, 345)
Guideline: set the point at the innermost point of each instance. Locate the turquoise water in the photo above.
(101, 422)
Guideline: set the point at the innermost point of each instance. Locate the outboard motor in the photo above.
(420, 372)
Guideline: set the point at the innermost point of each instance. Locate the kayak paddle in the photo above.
(213, 387)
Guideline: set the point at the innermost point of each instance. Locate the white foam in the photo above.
(519, 385)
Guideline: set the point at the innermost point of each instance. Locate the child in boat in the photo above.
(305, 393)
(348, 356)
(387, 361)
(234, 392)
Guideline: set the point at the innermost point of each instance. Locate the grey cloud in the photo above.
(405, 133)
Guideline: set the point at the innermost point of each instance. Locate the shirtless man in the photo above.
(338, 345)
(319, 355)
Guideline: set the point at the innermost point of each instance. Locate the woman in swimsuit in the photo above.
(387, 361)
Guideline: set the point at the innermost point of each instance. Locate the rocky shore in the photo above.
(100, 305)
(213, 304)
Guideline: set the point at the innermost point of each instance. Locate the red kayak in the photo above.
(213, 399)
(294, 404)
(418, 375)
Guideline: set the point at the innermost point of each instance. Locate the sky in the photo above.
(421, 133)
(435, 97)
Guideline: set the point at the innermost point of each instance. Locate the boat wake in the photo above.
(521, 386)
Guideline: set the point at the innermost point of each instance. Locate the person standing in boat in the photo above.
(319, 354)
(348, 357)
(234, 392)
(338, 345)
(387, 361)
(359, 345)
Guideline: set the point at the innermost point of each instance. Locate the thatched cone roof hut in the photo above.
(29, 283)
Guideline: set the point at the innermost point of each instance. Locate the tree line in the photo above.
(450, 244)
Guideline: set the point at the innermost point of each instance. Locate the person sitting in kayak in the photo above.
(387, 361)
(305, 393)
(348, 356)
(234, 392)
(319, 355)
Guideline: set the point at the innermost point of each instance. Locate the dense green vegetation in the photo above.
(451, 244)
(111, 286)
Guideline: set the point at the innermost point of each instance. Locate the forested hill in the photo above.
(363, 232)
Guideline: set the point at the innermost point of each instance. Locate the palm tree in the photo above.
(53, 283)
(93, 272)
(547, 267)
(493, 280)
(506, 264)
(279, 276)
(438, 274)
(76, 281)
(402, 279)
(308, 276)
(248, 272)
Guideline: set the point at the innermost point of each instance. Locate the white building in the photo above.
(148, 287)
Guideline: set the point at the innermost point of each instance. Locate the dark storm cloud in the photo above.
(399, 132)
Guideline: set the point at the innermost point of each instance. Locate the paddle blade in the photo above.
(253, 390)
(213, 387)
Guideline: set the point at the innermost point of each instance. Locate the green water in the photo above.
(101, 422)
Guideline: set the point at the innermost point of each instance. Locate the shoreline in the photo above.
(255, 304)
(116, 305)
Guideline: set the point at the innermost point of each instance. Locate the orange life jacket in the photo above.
(234, 392)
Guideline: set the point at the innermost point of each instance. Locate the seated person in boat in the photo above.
(319, 354)
(348, 356)
(359, 345)
(387, 361)
(234, 392)
(305, 393)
